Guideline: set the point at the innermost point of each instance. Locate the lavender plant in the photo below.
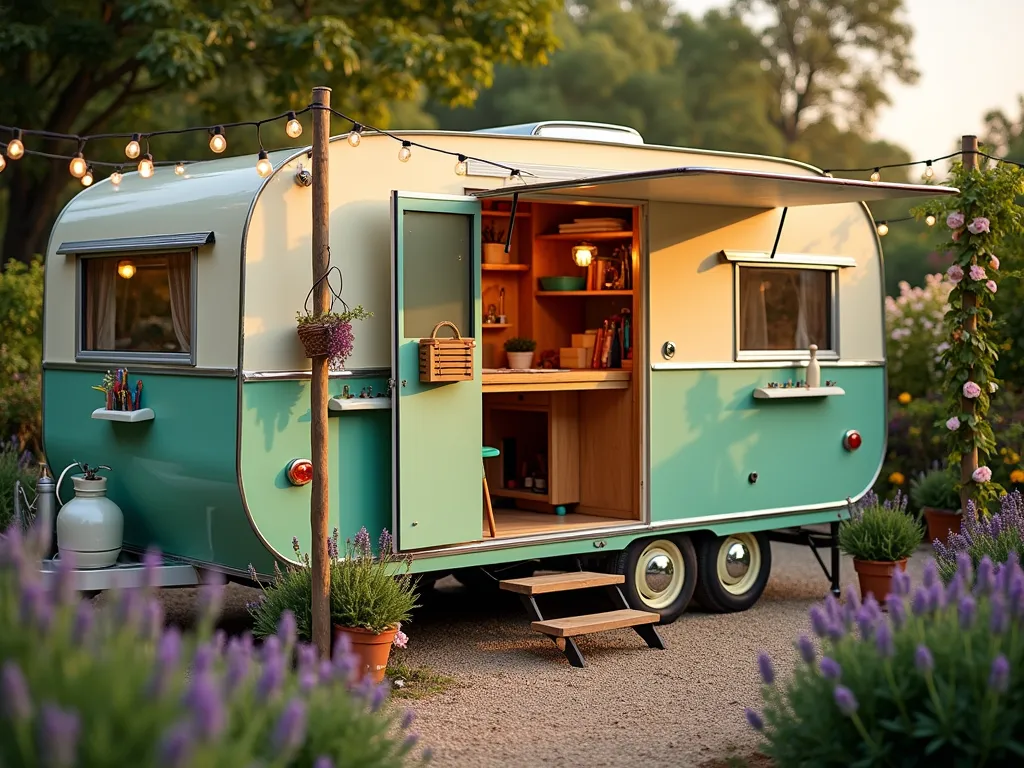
(880, 531)
(998, 537)
(937, 678)
(88, 687)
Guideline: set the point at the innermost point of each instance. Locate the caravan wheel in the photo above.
(660, 575)
(733, 571)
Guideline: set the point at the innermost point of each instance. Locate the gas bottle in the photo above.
(90, 526)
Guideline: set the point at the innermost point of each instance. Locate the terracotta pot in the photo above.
(876, 576)
(371, 649)
(494, 253)
(940, 523)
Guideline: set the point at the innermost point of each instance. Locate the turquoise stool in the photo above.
(489, 453)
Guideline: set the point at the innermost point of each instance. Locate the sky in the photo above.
(962, 77)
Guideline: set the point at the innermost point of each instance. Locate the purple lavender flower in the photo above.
(15, 699)
(819, 622)
(295, 545)
(805, 645)
(897, 610)
(204, 699)
(59, 730)
(1015, 595)
(845, 700)
(203, 660)
(999, 618)
(830, 668)
(384, 543)
(252, 573)
(308, 658)
(999, 675)
(866, 620)
(151, 563)
(332, 546)
(410, 740)
(290, 729)
(84, 617)
(407, 717)
(378, 697)
(936, 597)
(427, 754)
(286, 628)
(920, 603)
(883, 640)
(362, 543)
(65, 587)
(964, 566)
(238, 662)
(271, 679)
(923, 659)
(176, 746)
(851, 605)
(900, 582)
(152, 619)
(966, 611)
(211, 598)
(986, 577)
(323, 762)
(764, 666)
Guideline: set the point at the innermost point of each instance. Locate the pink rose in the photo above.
(955, 220)
(956, 273)
(956, 235)
(953, 424)
(981, 475)
(994, 262)
(977, 272)
(991, 285)
(978, 226)
(971, 390)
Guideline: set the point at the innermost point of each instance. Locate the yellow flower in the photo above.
(896, 478)
(1017, 476)
(914, 431)
(904, 398)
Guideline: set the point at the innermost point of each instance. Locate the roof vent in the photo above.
(572, 129)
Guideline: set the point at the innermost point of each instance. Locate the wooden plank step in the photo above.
(561, 582)
(593, 622)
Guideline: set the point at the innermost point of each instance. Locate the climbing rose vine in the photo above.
(977, 222)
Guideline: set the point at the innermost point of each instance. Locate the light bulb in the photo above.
(16, 149)
(460, 167)
(116, 177)
(828, 174)
(263, 165)
(132, 149)
(929, 172)
(929, 220)
(355, 135)
(217, 141)
(876, 175)
(88, 178)
(126, 269)
(883, 229)
(293, 127)
(3, 163)
(78, 166)
(146, 166)
(405, 152)
(583, 254)
(179, 169)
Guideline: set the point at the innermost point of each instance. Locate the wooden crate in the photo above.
(446, 360)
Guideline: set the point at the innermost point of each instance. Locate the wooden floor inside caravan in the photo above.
(518, 522)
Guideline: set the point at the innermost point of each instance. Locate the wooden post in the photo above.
(969, 461)
(319, 504)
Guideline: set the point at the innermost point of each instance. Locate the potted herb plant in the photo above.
(935, 494)
(520, 352)
(879, 536)
(494, 245)
(329, 333)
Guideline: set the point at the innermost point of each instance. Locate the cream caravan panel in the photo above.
(278, 271)
(693, 290)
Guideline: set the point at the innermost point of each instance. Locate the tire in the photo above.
(649, 591)
(721, 589)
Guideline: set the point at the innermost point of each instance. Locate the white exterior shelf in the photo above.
(359, 403)
(782, 393)
(142, 414)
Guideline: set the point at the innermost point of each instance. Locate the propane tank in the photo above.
(90, 526)
(46, 508)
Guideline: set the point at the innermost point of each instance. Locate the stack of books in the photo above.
(583, 226)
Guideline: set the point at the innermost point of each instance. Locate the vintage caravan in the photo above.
(709, 361)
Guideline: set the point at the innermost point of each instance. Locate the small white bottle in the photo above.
(813, 369)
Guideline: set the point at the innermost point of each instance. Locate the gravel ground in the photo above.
(517, 702)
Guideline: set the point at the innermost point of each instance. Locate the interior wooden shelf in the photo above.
(488, 326)
(576, 379)
(621, 235)
(507, 493)
(783, 393)
(505, 267)
(506, 214)
(584, 293)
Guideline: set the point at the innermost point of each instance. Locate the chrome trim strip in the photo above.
(781, 363)
(141, 243)
(800, 259)
(147, 370)
(358, 373)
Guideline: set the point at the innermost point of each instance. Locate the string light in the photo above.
(132, 150)
(88, 178)
(16, 149)
(263, 166)
(293, 127)
(929, 220)
(179, 169)
(218, 142)
(876, 175)
(78, 166)
(126, 269)
(146, 166)
(461, 168)
(883, 229)
(929, 172)
(405, 152)
(3, 163)
(355, 135)
(116, 177)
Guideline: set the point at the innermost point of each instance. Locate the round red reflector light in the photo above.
(300, 471)
(852, 440)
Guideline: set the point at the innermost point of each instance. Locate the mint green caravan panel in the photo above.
(438, 427)
(174, 477)
(709, 435)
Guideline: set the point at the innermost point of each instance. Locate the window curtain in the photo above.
(811, 309)
(754, 315)
(179, 274)
(101, 287)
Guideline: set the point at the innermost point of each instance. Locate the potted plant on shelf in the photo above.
(494, 245)
(879, 536)
(329, 333)
(520, 352)
(935, 494)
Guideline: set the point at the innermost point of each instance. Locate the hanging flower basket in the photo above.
(329, 334)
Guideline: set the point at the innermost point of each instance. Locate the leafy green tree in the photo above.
(71, 66)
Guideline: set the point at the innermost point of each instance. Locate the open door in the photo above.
(437, 428)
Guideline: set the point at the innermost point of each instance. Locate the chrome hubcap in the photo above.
(660, 574)
(739, 562)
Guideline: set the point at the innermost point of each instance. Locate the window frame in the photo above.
(768, 355)
(182, 359)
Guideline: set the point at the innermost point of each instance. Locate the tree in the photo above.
(828, 59)
(82, 66)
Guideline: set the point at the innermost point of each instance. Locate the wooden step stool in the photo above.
(562, 631)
